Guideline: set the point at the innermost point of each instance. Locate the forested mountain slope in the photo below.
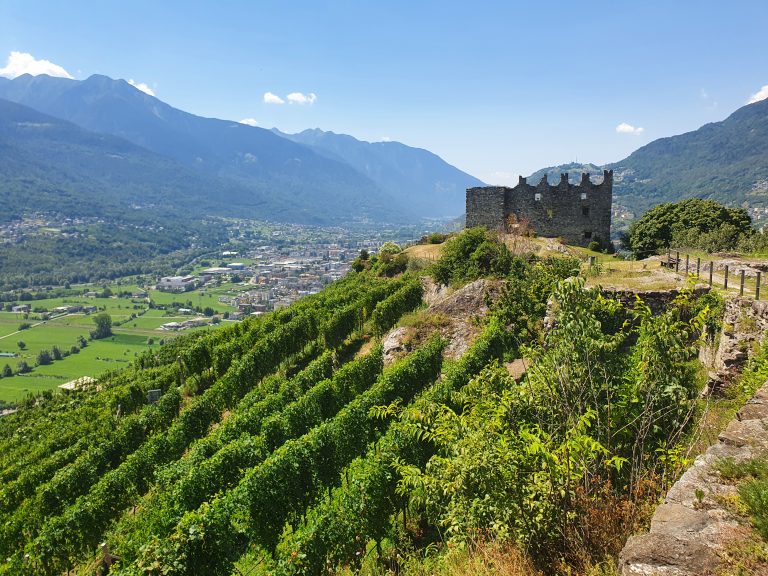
(423, 181)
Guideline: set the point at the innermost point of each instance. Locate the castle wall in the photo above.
(578, 213)
(485, 207)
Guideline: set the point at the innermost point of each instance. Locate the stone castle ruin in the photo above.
(577, 213)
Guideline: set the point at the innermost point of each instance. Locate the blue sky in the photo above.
(495, 88)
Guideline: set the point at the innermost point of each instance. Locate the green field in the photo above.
(131, 335)
(97, 357)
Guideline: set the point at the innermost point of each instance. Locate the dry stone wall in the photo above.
(745, 323)
(692, 530)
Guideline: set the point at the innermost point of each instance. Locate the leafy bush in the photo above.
(474, 253)
(434, 238)
(44, 358)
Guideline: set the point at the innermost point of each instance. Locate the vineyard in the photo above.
(285, 445)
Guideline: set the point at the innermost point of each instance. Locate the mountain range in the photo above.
(725, 161)
(246, 170)
(101, 146)
(412, 176)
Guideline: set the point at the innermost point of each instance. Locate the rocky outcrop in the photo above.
(691, 531)
(455, 314)
(745, 321)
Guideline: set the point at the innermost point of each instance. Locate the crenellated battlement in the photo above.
(579, 213)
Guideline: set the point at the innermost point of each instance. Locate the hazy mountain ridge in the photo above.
(291, 178)
(574, 170)
(289, 182)
(55, 166)
(425, 182)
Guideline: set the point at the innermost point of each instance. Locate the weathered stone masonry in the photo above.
(578, 213)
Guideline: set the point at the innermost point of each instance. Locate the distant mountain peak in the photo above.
(415, 177)
(322, 175)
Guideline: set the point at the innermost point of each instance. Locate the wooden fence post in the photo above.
(725, 284)
(677, 262)
(741, 284)
(711, 268)
(686, 264)
(698, 267)
(757, 286)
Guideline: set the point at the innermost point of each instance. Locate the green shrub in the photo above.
(474, 253)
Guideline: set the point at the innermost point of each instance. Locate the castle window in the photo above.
(583, 195)
(537, 197)
(585, 210)
(587, 234)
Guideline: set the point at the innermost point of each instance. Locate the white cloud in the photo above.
(249, 122)
(299, 98)
(625, 128)
(24, 63)
(761, 94)
(270, 98)
(385, 139)
(141, 86)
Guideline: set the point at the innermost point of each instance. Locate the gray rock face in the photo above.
(744, 323)
(691, 530)
(460, 310)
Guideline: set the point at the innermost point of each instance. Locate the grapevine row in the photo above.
(64, 537)
(210, 538)
(225, 468)
(337, 530)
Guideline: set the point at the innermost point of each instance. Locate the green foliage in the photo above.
(389, 311)
(435, 238)
(524, 297)
(389, 262)
(752, 478)
(341, 325)
(337, 530)
(44, 357)
(59, 495)
(693, 223)
(512, 458)
(755, 495)
(274, 451)
(470, 255)
(209, 539)
(713, 304)
(103, 324)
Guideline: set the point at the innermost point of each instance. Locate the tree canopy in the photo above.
(692, 223)
(103, 323)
